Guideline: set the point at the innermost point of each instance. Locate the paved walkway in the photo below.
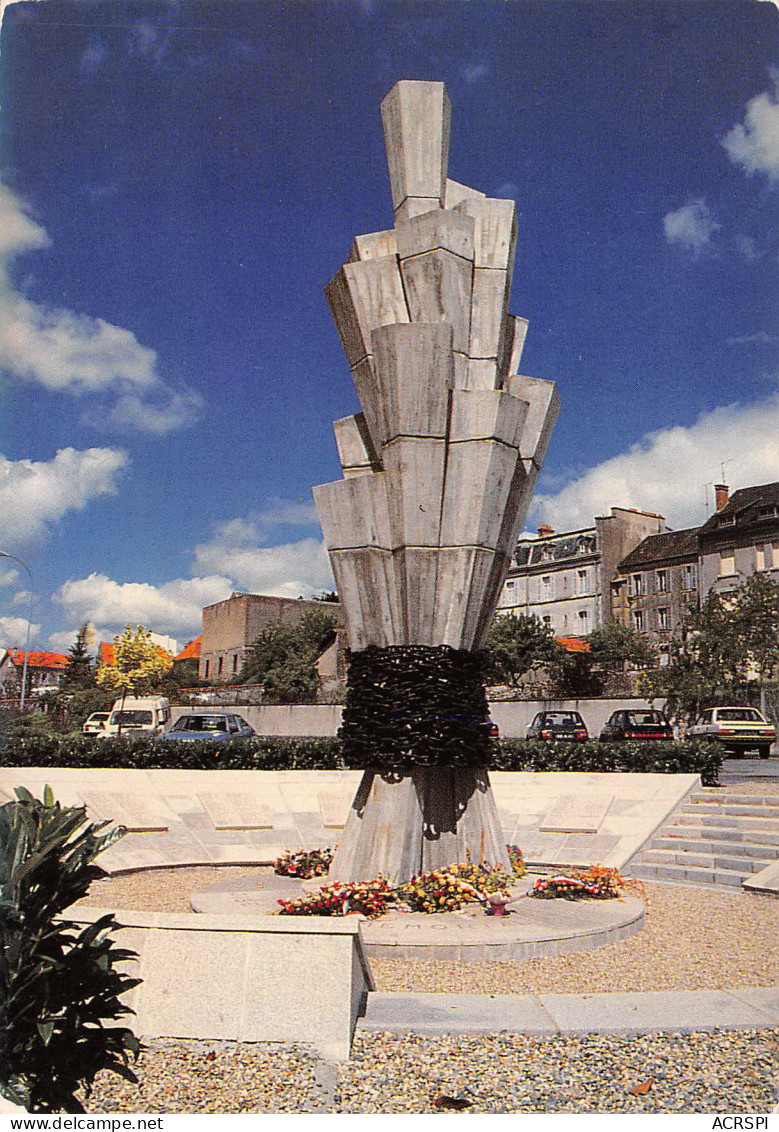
(622, 1014)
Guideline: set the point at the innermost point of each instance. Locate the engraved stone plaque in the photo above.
(572, 814)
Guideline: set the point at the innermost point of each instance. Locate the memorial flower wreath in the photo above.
(441, 890)
(596, 882)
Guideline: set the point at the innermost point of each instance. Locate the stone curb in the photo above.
(620, 1014)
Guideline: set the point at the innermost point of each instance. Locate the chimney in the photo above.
(544, 531)
(721, 495)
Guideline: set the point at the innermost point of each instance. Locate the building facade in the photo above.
(44, 670)
(565, 579)
(740, 539)
(656, 585)
(230, 627)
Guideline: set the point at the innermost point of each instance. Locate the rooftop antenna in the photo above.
(722, 468)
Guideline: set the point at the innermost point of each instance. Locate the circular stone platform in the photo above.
(532, 927)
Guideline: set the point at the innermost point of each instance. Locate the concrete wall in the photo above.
(227, 977)
(513, 718)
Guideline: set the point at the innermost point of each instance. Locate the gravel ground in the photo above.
(693, 938)
(494, 1073)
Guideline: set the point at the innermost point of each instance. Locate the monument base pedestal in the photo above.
(406, 822)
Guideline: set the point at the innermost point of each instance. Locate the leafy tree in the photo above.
(138, 667)
(517, 644)
(614, 646)
(79, 673)
(283, 658)
(726, 651)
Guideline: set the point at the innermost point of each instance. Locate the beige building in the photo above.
(565, 579)
(231, 626)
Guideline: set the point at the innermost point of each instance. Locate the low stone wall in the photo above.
(245, 978)
(513, 717)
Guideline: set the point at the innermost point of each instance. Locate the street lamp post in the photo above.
(4, 554)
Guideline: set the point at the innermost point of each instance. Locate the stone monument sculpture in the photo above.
(439, 468)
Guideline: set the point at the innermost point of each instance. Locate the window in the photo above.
(727, 563)
(582, 581)
(662, 581)
(219, 665)
(638, 585)
(235, 662)
(662, 618)
(690, 577)
(206, 666)
(638, 620)
(547, 620)
(584, 621)
(759, 558)
(547, 588)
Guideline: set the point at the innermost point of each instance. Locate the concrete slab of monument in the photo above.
(450, 1013)
(656, 1012)
(240, 978)
(767, 880)
(581, 818)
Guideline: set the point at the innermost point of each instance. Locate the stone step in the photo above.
(686, 874)
(729, 797)
(716, 845)
(731, 809)
(690, 858)
(730, 821)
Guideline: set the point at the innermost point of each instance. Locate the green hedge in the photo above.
(302, 753)
(647, 757)
(146, 754)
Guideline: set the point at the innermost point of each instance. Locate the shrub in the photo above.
(145, 753)
(661, 757)
(306, 753)
(58, 986)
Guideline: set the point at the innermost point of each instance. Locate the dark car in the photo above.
(558, 725)
(217, 727)
(636, 724)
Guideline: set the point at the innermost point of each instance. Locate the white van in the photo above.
(147, 715)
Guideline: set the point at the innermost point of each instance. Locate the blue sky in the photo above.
(181, 180)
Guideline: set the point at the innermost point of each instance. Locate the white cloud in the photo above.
(62, 642)
(13, 632)
(36, 493)
(67, 352)
(690, 226)
(288, 570)
(754, 143)
(666, 472)
(173, 607)
(8, 577)
(234, 559)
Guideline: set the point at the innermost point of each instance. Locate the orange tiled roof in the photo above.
(573, 644)
(191, 651)
(105, 652)
(38, 659)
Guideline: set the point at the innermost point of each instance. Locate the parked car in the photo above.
(636, 724)
(217, 727)
(567, 725)
(131, 715)
(494, 729)
(739, 729)
(95, 723)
